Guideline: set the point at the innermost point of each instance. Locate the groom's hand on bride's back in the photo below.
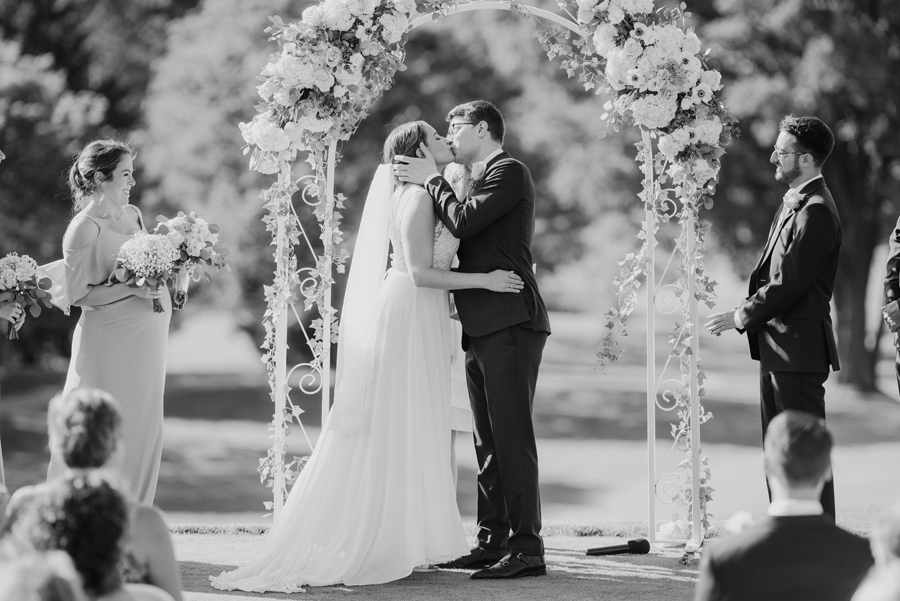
(415, 170)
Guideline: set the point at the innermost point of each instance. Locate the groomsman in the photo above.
(891, 309)
(787, 315)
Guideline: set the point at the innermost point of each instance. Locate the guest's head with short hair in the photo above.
(86, 516)
(885, 537)
(85, 426)
(881, 584)
(798, 450)
(29, 575)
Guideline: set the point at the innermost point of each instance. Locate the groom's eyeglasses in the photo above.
(782, 153)
(454, 127)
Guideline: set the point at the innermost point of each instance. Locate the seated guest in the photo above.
(84, 515)
(795, 553)
(882, 584)
(27, 575)
(885, 537)
(85, 430)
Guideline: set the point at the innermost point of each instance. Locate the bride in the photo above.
(377, 498)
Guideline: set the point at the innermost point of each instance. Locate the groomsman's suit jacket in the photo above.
(790, 558)
(892, 285)
(495, 226)
(787, 315)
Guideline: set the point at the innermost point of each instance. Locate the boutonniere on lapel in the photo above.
(478, 168)
(793, 199)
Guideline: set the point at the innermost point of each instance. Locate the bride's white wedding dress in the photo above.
(371, 505)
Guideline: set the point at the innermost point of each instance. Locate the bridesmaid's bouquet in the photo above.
(21, 284)
(198, 245)
(145, 260)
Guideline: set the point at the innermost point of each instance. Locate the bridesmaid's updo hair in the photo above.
(404, 140)
(85, 427)
(100, 156)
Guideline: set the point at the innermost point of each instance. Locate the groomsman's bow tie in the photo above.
(478, 168)
(792, 199)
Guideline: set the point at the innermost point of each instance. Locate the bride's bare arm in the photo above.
(417, 231)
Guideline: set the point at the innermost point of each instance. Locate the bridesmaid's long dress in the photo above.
(120, 348)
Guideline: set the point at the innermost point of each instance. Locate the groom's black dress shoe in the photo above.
(514, 566)
(476, 559)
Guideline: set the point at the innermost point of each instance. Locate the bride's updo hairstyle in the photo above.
(404, 140)
(100, 156)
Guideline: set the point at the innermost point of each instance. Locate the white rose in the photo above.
(333, 56)
(682, 136)
(712, 78)
(691, 43)
(312, 16)
(633, 48)
(702, 171)
(362, 8)
(616, 14)
(175, 237)
(324, 80)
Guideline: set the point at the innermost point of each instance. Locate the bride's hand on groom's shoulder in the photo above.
(415, 170)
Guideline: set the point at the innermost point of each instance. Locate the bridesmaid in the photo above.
(119, 343)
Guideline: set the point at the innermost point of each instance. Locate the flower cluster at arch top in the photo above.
(659, 74)
(333, 63)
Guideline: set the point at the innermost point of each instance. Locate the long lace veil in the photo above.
(356, 343)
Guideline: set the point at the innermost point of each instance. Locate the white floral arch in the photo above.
(341, 57)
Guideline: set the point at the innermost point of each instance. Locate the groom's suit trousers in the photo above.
(501, 371)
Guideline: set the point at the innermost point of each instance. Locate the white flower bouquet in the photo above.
(198, 245)
(146, 260)
(21, 284)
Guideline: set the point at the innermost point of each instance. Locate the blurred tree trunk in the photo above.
(854, 178)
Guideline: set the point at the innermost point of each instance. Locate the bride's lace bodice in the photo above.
(445, 244)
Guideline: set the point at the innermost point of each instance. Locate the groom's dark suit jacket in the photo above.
(495, 226)
(787, 315)
(796, 558)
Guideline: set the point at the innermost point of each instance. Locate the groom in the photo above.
(787, 316)
(504, 336)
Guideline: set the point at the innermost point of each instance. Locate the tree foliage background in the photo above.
(176, 76)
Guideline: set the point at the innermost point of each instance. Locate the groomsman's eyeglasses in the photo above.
(454, 127)
(781, 153)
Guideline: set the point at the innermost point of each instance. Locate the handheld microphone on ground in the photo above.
(638, 546)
